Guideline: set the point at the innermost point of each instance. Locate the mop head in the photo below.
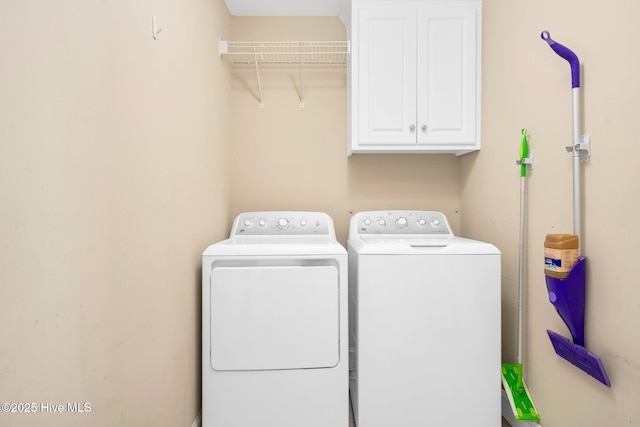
(579, 357)
(518, 393)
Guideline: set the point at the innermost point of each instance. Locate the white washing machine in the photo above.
(274, 324)
(424, 310)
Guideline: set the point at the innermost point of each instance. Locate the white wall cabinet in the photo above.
(414, 76)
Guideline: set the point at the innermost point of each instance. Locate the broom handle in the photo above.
(521, 271)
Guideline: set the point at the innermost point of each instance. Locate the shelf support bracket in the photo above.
(155, 29)
(255, 57)
(301, 77)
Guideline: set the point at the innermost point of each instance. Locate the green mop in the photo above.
(512, 375)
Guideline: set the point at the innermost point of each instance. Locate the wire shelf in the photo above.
(285, 52)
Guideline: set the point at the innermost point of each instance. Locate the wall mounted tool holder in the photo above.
(568, 297)
(528, 161)
(583, 148)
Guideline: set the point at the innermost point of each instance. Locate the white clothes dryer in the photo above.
(274, 324)
(424, 311)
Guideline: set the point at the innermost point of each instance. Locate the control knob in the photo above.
(283, 223)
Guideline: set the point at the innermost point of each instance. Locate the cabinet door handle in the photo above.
(412, 128)
(424, 128)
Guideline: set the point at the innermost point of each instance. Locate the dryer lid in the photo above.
(276, 247)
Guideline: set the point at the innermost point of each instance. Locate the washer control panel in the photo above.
(402, 222)
(282, 223)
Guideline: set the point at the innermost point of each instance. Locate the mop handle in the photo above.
(567, 54)
(574, 62)
(524, 154)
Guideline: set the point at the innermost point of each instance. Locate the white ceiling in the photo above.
(283, 7)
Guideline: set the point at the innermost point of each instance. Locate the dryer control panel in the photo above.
(277, 223)
(424, 223)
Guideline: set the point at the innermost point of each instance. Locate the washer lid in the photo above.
(407, 240)
(385, 245)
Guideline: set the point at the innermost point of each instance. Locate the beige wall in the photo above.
(116, 171)
(525, 84)
(290, 158)
(114, 176)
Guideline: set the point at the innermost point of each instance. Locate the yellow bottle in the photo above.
(560, 254)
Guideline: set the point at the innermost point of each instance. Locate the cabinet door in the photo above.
(447, 74)
(384, 73)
